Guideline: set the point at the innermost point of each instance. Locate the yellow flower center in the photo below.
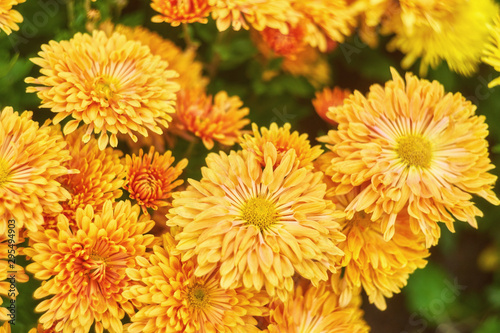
(4, 172)
(105, 87)
(98, 266)
(259, 212)
(198, 296)
(414, 150)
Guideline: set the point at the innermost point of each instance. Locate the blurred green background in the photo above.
(458, 291)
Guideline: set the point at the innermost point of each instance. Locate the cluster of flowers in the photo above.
(277, 236)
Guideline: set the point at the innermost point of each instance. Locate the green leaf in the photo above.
(430, 292)
(490, 325)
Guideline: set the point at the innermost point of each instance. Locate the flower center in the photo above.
(105, 87)
(198, 296)
(259, 212)
(4, 172)
(98, 266)
(360, 220)
(414, 150)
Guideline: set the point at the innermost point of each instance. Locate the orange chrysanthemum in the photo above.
(111, 84)
(83, 267)
(287, 45)
(100, 178)
(316, 309)
(9, 271)
(220, 119)
(176, 12)
(327, 98)
(381, 268)
(418, 149)
(10, 17)
(259, 223)
(306, 61)
(283, 140)
(32, 157)
(276, 14)
(151, 178)
(173, 299)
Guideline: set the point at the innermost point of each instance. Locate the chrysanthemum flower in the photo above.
(287, 45)
(151, 178)
(7, 268)
(492, 51)
(276, 14)
(327, 98)
(101, 174)
(371, 13)
(381, 268)
(316, 309)
(307, 62)
(173, 299)
(220, 119)
(455, 31)
(183, 62)
(420, 150)
(83, 268)
(111, 84)
(10, 17)
(176, 12)
(259, 223)
(325, 19)
(283, 140)
(32, 157)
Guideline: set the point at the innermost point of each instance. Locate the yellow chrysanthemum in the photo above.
(324, 20)
(283, 140)
(491, 54)
(10, 17)
(9, 271)
(173, 299)
(111, 84)
(83, 267)
(32, 157)
(220, 118)
(455, 31)
(381, 268)
(371, 13)
(316, 309)
(420, 150)
(176, 12)
(151, 178)
(183, 62)
(259, 223)
(239, 14)
(101, 174)
(327, 98)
